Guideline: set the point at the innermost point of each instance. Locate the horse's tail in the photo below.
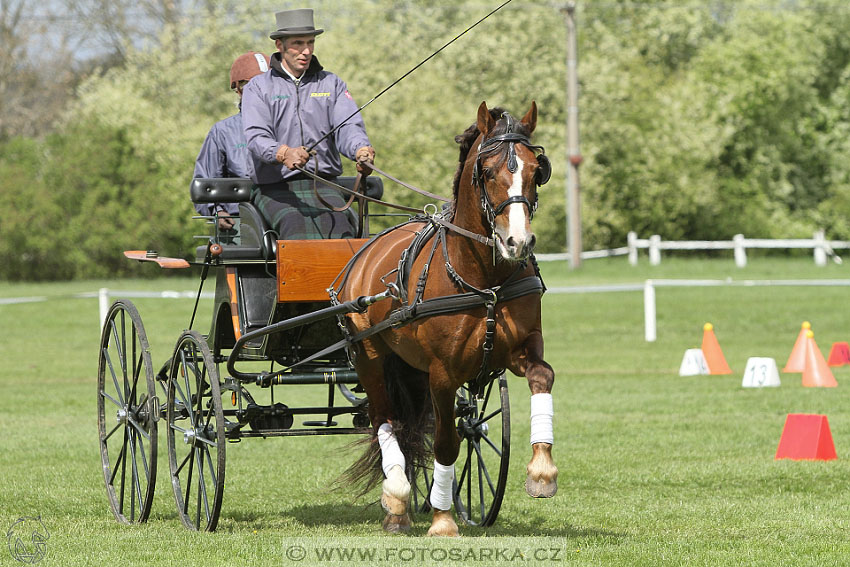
(410, 399)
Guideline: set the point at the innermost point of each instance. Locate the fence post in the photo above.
(654, 250)
(820, 248)
(103, 301)
(740, 251)
(631, 242)
(649, 323)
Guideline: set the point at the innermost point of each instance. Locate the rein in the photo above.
(356, 194)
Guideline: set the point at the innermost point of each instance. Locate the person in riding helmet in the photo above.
(293, 106)
(225, 151)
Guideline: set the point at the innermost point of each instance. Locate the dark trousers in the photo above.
(292, 209)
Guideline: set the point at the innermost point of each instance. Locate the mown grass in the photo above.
(656, 469)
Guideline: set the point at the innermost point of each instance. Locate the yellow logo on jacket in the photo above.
(319, 94)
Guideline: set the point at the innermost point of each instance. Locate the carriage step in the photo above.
(319, 424)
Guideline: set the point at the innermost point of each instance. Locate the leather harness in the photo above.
(429, 238)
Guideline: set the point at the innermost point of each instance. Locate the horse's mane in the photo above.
(468, 137)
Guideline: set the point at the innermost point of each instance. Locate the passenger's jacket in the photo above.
(276, 110)
(223, 154)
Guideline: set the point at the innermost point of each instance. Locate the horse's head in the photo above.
(507, 171)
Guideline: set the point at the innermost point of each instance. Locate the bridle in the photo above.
(491, 145)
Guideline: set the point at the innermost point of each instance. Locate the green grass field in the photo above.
(655, 469)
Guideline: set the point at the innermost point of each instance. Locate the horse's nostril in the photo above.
(532, 241)
(511, 242)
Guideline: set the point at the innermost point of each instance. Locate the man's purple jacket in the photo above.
(276, 110)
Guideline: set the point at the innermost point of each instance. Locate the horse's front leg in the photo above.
(446, 446)
(541, 473)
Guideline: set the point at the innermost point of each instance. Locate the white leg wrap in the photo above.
(391, 454)
(541, 419)
(441, 491)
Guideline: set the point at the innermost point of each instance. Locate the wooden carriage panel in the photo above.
(306, 268)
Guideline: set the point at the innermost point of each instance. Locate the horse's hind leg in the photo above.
(541, 473)
(395, 488)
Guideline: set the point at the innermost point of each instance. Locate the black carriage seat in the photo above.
(257, 239)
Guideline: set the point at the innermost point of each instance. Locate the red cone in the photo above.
(806, 436)
(839, 355)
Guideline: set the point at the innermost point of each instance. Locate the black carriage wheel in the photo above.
(127, 414)
(196, 430)
(481, 470)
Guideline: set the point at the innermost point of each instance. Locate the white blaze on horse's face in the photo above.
(514, 239)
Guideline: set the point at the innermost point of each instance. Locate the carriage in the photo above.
(276, 323)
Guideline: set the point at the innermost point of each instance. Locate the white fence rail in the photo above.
(648, 287)
(650, 319)
(103, 296)
(821, 247)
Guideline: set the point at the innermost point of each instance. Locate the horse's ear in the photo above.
(485, 121)
(530, 118)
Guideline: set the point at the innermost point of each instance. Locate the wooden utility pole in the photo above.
(574, 158)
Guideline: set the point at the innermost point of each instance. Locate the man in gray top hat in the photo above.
(292, 106)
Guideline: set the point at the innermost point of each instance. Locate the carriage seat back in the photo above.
(238, 190)
(257, 241)
(221, 190)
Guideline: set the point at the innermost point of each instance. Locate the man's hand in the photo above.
(292, 157)
(364, 155)
(225, 221)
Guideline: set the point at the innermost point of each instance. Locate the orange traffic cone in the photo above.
(817, 373)
(797, 359)
(713, 355)
(839, 355)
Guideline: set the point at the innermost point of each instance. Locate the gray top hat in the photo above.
(294, 22)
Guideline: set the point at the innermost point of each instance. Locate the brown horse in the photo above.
(475, 248)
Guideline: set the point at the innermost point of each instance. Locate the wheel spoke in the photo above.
(117, 341)
(487, 397)
(183, 463)
(138, 427)
(114, 376)
(482, 467)
(209, 442)
(117, 462)
(189, 481)
(143, 454)
(202, 488)
(210, 466)
(496, 449)
(111, 399)
(111, 431)
(184, 366)
(476, 424)
(136, 487)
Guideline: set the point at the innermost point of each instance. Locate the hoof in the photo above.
(443, 525)
(396, 492)
(396, 524)
(392, 505)
(541, 488)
